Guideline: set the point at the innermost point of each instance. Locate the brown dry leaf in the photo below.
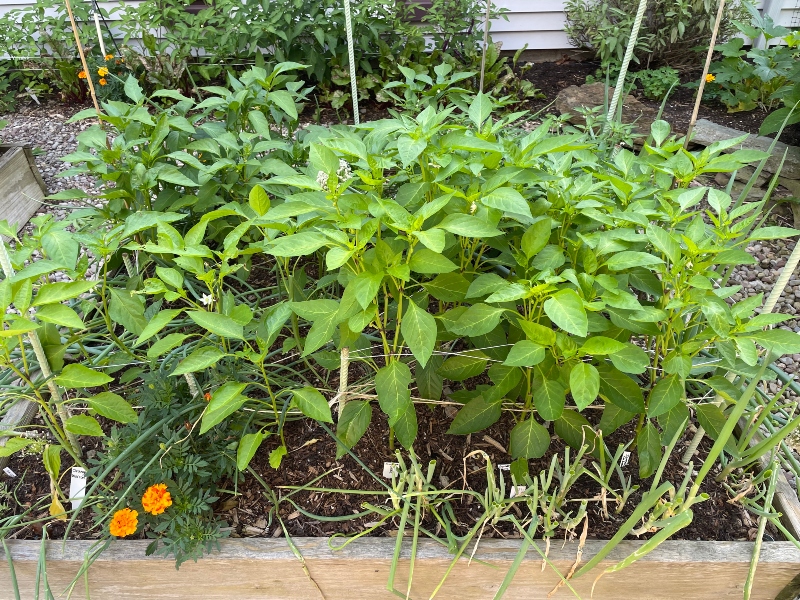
(495, 443)
(229, 504)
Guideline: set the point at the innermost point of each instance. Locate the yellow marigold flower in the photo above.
(710, 78)
(156, 499)
(109, 56)
(102, 81)
(124, 522)
(102, 71)
(82, 75)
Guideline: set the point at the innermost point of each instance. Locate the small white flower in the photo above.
(473, 207)
(322, 180)
(344, 171)
(207, 299)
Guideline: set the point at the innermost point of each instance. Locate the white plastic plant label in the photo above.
(9, 472)
(625, 459)
(77, 487)
(391, 469)
(517, 490)
(504, 467)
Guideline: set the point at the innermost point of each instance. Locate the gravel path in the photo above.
(44, 127)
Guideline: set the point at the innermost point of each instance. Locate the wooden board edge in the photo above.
(491, 550)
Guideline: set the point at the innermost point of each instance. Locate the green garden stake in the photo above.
(612, 109)
(485, 41)
(351, 57)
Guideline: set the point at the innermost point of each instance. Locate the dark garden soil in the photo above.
(312, 454)
(552, 77)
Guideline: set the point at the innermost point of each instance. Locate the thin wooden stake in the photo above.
(344, 368)
(702, 86)
(83, 59)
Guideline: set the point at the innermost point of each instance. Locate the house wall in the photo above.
(537, 23)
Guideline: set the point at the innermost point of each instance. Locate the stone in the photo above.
(706, 133)
(793, 185)
(744, 174)
(594, 94)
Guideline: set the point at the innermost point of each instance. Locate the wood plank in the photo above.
(250, 569)
(21, 186)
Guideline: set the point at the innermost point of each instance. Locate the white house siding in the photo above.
(537, 23)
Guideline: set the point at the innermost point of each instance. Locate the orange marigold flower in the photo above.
(102, 71)
(207, 396)
(82, 75)
(156, 499)
(710, 78)
(124, 522)
(109, 56)
(102, 81)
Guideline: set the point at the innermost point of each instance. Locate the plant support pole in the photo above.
(99, 35)
(707, 65)
(485, 41)
(612, 109)
(83, 60)
(348, 24)
(344, 368)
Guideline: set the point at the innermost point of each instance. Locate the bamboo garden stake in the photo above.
(707, 65)
(83, 59)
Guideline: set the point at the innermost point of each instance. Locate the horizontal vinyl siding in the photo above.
(537, 23)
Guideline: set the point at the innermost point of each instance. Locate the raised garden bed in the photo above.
(21, 186)
(260, 569)
(208, 384)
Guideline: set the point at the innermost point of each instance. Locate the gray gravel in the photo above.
(44, 127)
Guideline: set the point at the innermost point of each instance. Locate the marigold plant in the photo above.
(124, 522)
(102, 81)
(710, 78)
(109, 56)
(156, 499)
(82, 75)
(102, 71)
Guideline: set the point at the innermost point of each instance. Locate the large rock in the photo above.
(594, 94)
(706, 133)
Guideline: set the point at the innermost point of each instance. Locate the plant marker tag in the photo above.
(9, 472)
(517, 490)
(77, 487)
(504, 467)
(391, 469)
(625, 459)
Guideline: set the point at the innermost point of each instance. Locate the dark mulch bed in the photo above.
(313, 454)
(552, 77)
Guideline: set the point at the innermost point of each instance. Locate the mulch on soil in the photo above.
(552, 77)
(313, 454)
